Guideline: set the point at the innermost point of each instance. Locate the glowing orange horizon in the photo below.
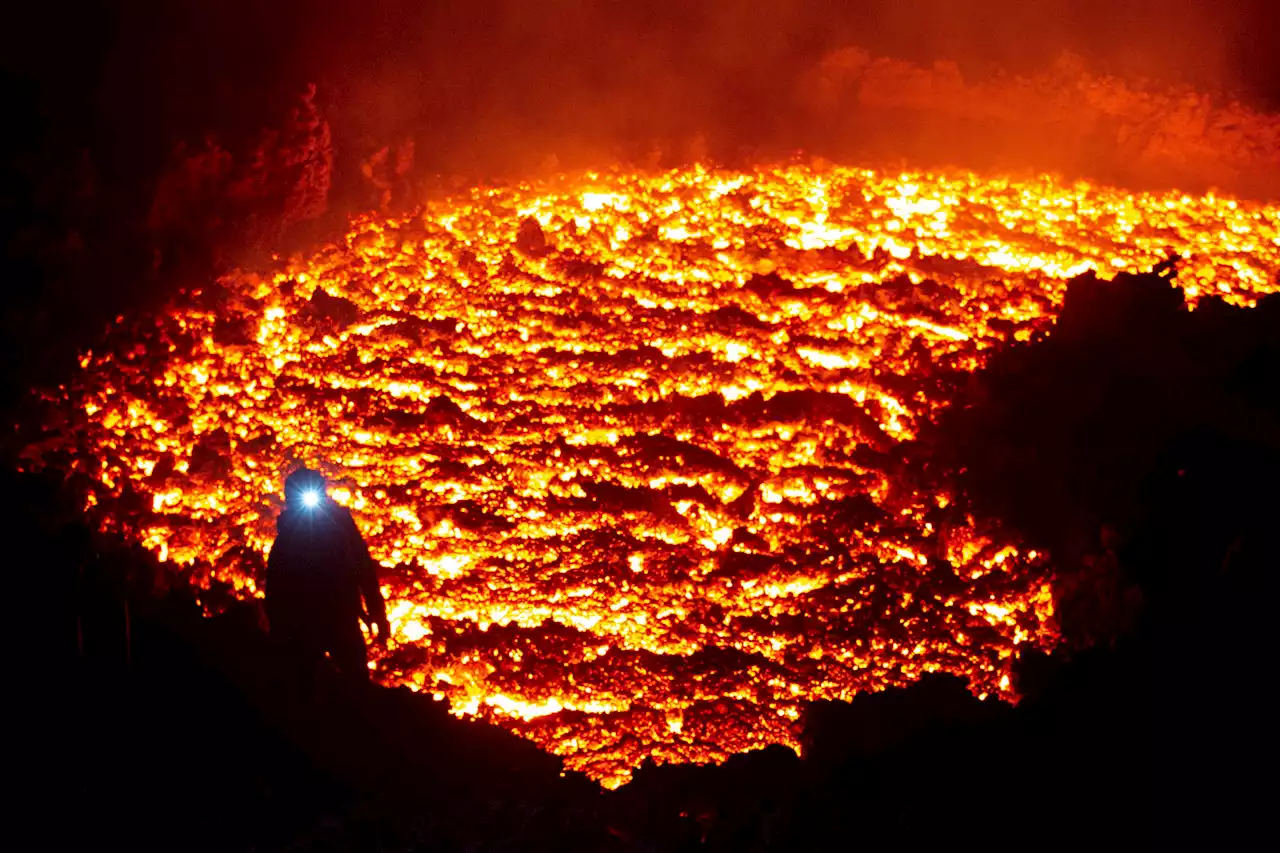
(635, 449)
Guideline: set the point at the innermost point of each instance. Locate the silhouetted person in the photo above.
(317, 575)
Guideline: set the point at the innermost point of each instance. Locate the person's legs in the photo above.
(299, 664)
(348, 653)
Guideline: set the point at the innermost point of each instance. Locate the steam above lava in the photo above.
(496, 86)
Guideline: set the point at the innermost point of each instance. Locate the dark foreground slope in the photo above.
(147, 726)
(1141, 444)
(1138, 442)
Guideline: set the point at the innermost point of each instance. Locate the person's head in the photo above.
(304, 489)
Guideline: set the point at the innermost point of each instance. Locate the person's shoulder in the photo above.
(341, 513)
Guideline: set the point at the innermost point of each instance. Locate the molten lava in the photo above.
(637, 452)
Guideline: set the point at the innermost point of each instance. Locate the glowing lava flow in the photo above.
(635, 449)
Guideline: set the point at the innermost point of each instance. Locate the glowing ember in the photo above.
(635, 450)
